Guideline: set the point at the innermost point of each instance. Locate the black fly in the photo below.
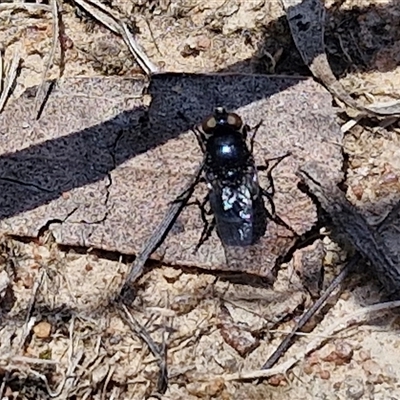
(235, 195)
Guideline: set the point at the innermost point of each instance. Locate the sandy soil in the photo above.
(62, 337)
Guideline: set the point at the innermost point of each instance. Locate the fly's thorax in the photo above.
(227, 149)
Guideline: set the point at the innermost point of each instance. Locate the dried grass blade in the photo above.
(49, 64)
(10, 77)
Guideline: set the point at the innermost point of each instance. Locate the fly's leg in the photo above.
(207, 231)
(184, 195)
(202, 207)
(199, 137)
(269, 194)
(273, 216)
(208, 226)
(266, 167)
(253, 136)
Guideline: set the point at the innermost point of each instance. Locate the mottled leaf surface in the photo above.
(101, 165)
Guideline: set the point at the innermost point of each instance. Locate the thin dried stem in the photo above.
(9, 77)
(29, 320)
(49, 64)
(287, 341)
(103, 15)
(1, 70)
(156, 350)
(13, 359)
(30, 7)
(148, 67)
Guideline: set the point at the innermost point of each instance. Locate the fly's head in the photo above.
(220, 123)
(222, 138)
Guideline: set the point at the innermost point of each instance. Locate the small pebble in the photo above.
(324, 374)
(203, 43)
(364, 355)
(355, 389)
(42, 330)
(276, 380)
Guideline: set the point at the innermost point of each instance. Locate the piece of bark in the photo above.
(100, 167)
(236, 335)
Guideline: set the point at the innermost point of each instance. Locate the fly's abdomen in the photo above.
(235, 209)
(232, 228)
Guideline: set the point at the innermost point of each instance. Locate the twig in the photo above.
(49, 64)
(287, 342)
(162, 384)
(99, 12)
(102, 15)
(28, 321)
(140, 331)
(342, 324)
(43, 377)
(65, 388)
(10, 78)
(350, 124)
(152, 36)
(1, 71)
(159, 234)
(107, 381)
(148, 67)
(24, 6)
(26, 360)
(3, 383)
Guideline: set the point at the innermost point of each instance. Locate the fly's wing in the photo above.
(250, 257)
(233, 230)
(234, 210)
(241, 220)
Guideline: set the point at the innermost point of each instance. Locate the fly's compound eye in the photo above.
(209, 124)
(234, 121)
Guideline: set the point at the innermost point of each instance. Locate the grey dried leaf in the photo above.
(99, 168)
(307, 24)
(368, 240)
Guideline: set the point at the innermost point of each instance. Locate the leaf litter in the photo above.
(107, 374)
(98, 206)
